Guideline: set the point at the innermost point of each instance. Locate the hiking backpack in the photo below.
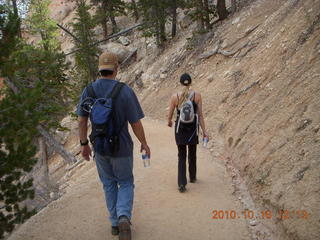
(186, 112)
(105, 128)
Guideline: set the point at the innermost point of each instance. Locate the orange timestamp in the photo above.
(265, 214)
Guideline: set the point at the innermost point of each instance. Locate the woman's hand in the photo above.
(205, 135)
(169, 123)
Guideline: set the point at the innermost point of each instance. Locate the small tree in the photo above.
(38, 74)
(101, 15)
(155, 16)
(43, 62)
(18, 126)
(86, 57)
(18, 129)
(173, 6)
(108, 10)
(133, 7)
(201, 12)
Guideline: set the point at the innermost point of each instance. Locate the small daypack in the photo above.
(105, 127)
(186, 112)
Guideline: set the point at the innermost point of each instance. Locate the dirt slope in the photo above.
(160, 211)
(261, 105)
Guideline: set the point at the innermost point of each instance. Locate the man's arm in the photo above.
(83, 133)
(138, 130)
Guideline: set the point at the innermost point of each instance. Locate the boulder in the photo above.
(60, 14)
(124, 40)
(121, 51)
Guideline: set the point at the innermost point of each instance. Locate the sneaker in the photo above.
(182, 188)
(115, 230)
(193, 180)
(124, 228)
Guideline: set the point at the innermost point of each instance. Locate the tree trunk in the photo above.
(206, 14)
(162, 25)
(43, 164)
(233, 6)
(221, 8)
(162, 32)
(104, 27)
(15, 8)
(113, 19)
(135, 10)
(16, 13)
(200, 17)
(174, 18)
(104, 20)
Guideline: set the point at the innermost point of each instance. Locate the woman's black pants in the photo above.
(192, 160)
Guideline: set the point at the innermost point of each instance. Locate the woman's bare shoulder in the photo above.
(197, 96)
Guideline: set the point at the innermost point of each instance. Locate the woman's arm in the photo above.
(172, 105)
(200, 113)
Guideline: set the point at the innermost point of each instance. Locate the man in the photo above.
(115, 170)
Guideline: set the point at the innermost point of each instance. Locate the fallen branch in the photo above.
(247, 51)
(210, 53)
(247, 88)
(129, 57)
(109, 37)
(67, 31)
(225, 53)
(50, 140)
(248, 31)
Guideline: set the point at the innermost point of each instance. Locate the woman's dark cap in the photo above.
(185, 79)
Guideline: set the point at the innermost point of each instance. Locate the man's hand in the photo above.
(86, 152)
(139, 132)
(169, 123)
(146, 148)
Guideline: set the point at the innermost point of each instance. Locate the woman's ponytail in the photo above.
(184, 95)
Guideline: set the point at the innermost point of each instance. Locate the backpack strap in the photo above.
(90, 91)
(113, 95)
(178, 103)
(116, 90)
(191, 95)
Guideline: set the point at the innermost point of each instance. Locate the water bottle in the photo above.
(205, 141)
(145, 159)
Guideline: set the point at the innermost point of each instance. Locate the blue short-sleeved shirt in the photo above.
(127, 109)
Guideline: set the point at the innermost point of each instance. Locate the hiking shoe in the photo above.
(124, 228)
(182, 188)
(115, 230)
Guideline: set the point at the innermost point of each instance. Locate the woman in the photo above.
(186, 128)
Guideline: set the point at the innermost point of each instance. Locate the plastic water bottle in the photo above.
(205, 141)
(145, 159)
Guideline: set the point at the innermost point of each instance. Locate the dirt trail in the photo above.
(160, 211)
